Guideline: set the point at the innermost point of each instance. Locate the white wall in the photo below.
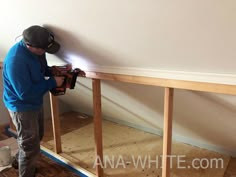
(184, 35)
(184, 39)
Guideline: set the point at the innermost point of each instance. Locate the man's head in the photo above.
(39, 37)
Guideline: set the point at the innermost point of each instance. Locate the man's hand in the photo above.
(82, 73)
(59, 80)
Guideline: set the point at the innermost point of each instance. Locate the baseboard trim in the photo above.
(219, 78)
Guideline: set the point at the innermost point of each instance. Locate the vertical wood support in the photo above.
(55, 123)
(167, 137)
(98, 126)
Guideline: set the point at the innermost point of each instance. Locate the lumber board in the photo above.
(55, 123)
(171, 83)
(167, 134)
(98, 125)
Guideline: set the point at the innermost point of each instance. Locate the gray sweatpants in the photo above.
(30, 129)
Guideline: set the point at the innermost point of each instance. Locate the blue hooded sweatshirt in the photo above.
(24, 82)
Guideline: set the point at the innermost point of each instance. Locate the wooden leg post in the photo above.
(55, 124)
(167, 137)
(98, 126)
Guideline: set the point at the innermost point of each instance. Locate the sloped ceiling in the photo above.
(185, 39)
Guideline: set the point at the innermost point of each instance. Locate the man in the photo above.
(24, 81)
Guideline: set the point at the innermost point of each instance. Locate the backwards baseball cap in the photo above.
(37, 36)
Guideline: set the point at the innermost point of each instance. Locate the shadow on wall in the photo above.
(143, 101)
(133, 105)
(120, 101)
(200, 117)
(203, 115)
(225, 101)
(79, 51)
(195, 113)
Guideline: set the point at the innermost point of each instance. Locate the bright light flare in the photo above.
(77, 61)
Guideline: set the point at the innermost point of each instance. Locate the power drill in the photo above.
(70, 76)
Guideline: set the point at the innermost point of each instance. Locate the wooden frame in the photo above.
(55, 123)
(171, 83)
(169, 86)
(98, 125)
(167, 135)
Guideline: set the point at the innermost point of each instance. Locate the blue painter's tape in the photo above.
(63, 164)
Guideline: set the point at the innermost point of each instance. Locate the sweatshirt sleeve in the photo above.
(19, 76)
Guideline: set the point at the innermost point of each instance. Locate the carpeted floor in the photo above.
(46, 168)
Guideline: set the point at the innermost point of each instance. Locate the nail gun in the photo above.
(70, 76)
